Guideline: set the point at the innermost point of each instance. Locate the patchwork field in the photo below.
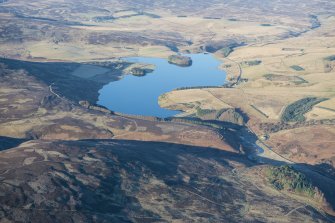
(267, 90)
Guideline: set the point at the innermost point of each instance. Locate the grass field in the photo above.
(273, 86)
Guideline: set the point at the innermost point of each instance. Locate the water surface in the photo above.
(139, 95)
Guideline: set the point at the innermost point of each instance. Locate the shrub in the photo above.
(287, 178)
(330, 58)
(203, 112)
(225, 51)
(295, 111)
(252, 62)
(297, 68)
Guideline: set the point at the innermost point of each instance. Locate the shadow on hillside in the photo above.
(60, 76)
(136, 162)
(170, 162)
(8, 142)
(326, 168)
(322, 179)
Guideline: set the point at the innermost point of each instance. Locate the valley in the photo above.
(97, 126)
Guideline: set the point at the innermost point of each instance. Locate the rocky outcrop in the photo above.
(85, 104)
(138, 71)
(180, 60)
(100, 109)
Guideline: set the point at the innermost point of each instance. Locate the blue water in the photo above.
(139, 95)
